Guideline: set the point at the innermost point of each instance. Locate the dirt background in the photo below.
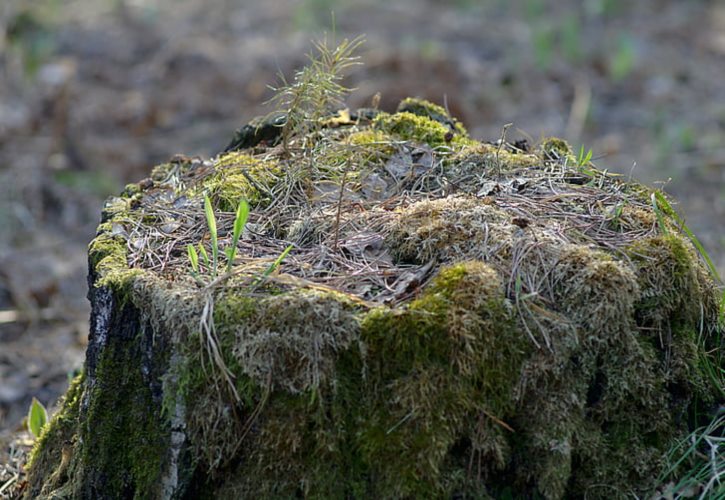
(93, 93)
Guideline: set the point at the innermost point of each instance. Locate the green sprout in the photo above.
(277, 262)
(193, 258)
(584, 157)
(240, 220)
(204, 255)
(211, 224)
(37, 418)
(316, 89)
(617, 215)
(200, 257)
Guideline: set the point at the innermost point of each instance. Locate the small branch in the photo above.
(339, 204)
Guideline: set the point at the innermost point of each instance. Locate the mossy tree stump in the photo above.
(456, 319)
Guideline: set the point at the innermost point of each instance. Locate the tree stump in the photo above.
(453, 319)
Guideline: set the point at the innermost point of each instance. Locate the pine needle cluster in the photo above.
(316, 90)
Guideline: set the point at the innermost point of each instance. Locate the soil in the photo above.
(93, 94)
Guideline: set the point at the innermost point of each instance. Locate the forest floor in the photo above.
(94, 93)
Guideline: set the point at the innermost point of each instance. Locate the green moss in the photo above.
(687, 368)
(131, 190)
(427, 109)
(108, 258)
(421, 107)
(447, 229)
(267, 346)
(671, 290)
(274, 341)
(108, 251)
(113, 445)
(596, 291)
(553, 148)
(616, 462)
(372, 143)
(389, 412)
(123, 433)
(295, 442)
(160, 173)
(448, 357)
(49, 466)
(411, 127)
(300, 450)
(240, 176)
(486, 160)
(217, 424)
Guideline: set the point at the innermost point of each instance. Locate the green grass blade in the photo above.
(584, 157)
(211, 223)
(204, 255)
(277, 262)
(658, 213)
(193, 257)
(240, 220)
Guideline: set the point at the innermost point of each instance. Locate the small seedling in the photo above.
(211, 224)
(37, 418)
(240, 220)
(204, 255)
(617, 215)
(316, 88)
(584, 157)
(193, 258)
(277, 262)
(200, 257)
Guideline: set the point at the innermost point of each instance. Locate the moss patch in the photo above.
(446, 381)
(411, 127)
(49, 466)
(122, 431)
(240, 176)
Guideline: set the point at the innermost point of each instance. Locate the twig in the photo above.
(501, 142)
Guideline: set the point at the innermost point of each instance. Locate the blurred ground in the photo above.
(94, 93)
